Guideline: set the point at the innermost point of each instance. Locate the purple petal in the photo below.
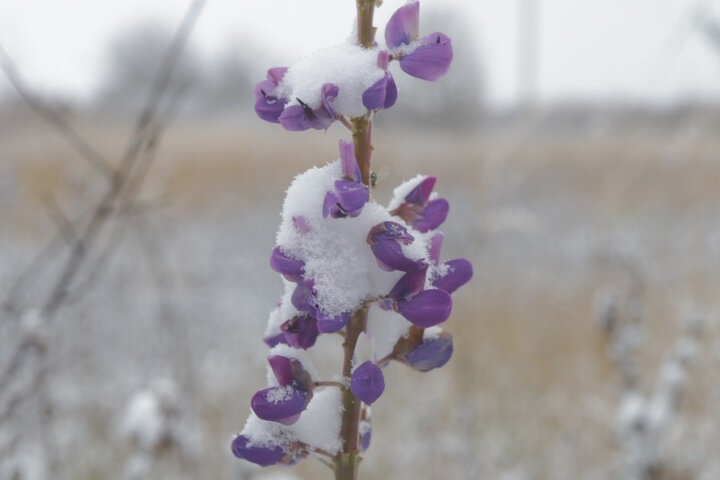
(263, 456)
(293, 119)
(301, 225)
(367, 382)
(291, 268)
(302, 297)
(374, 97)
(330, 324)
(281, 368)
(365, 440)
(389, 231)
(460, 271)
(350, 167)
(431, 353)
(383, 59)
(351, 195)
(328, 94)
(421, 193)
(276, 339)
(431, 60)
(269, 108)
(391, 92)
(301, 331)
(403, 26)
(330, 206)
(432, 216)
(389, 256)
(435, 246)
(279, 404)
(276, 74)
(427, 309)
(409, 284)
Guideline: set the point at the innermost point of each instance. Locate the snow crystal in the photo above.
(279, 394)
(319, 424)
(387, 327)
(336, 254)
(349, 66)
(432, 333)
(263, 433)
(283, 312)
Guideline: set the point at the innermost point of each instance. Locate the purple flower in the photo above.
(275, 339)
(383, 93)
(367, 382)
(431, 59)
(289, 371)
(268, 105)
(426, 309)
(302, 297)
(404, 26)
(459, 272)
(409, 285)
(432, 54)
(350, 195)
(365, 431)
(419, 211)
(431, 353)
(282, 404)
(331, 324)
(290, 268)
(260, 455)
(297, 118)
(385, 241)
(301, 331)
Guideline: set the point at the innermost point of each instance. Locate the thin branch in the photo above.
(55, 119)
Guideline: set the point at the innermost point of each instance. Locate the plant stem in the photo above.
(347, 461)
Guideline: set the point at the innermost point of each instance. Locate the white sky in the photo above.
(638, 50)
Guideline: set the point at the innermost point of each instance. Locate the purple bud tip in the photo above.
(365, 440)
(431, 60)
(426, 309)
(421, 193)
(263, 456)
(280, 404)
(350, 168)
(291, 268)
(276, 74)
(331, 324)
(459, 272)
(276, 339)
(433, 353)
(281, 368)
(367, 383)
(404, 25)
(383, 59)
(435, 247)
(389, 231)
(432, 216)
(389, 257)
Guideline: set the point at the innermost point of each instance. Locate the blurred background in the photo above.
(577, 142)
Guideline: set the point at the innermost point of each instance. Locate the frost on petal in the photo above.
(264, 456)
(404, 25)
(390, 256)
(458, 272)
(431, 59)
(281, 404)
(331, 323)
(421, 193)
(432, 216)
(434, 248)
(432, 353)
(427, 309)
(367, 382)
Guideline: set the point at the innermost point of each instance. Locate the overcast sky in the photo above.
(637, 50)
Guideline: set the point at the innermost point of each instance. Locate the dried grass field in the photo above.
(550, 220)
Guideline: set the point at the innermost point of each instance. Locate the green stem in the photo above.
(366, 30)
(347, 461)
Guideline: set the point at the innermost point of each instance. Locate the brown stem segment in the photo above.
(366, 30)
(362, 139)
(347, 461)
